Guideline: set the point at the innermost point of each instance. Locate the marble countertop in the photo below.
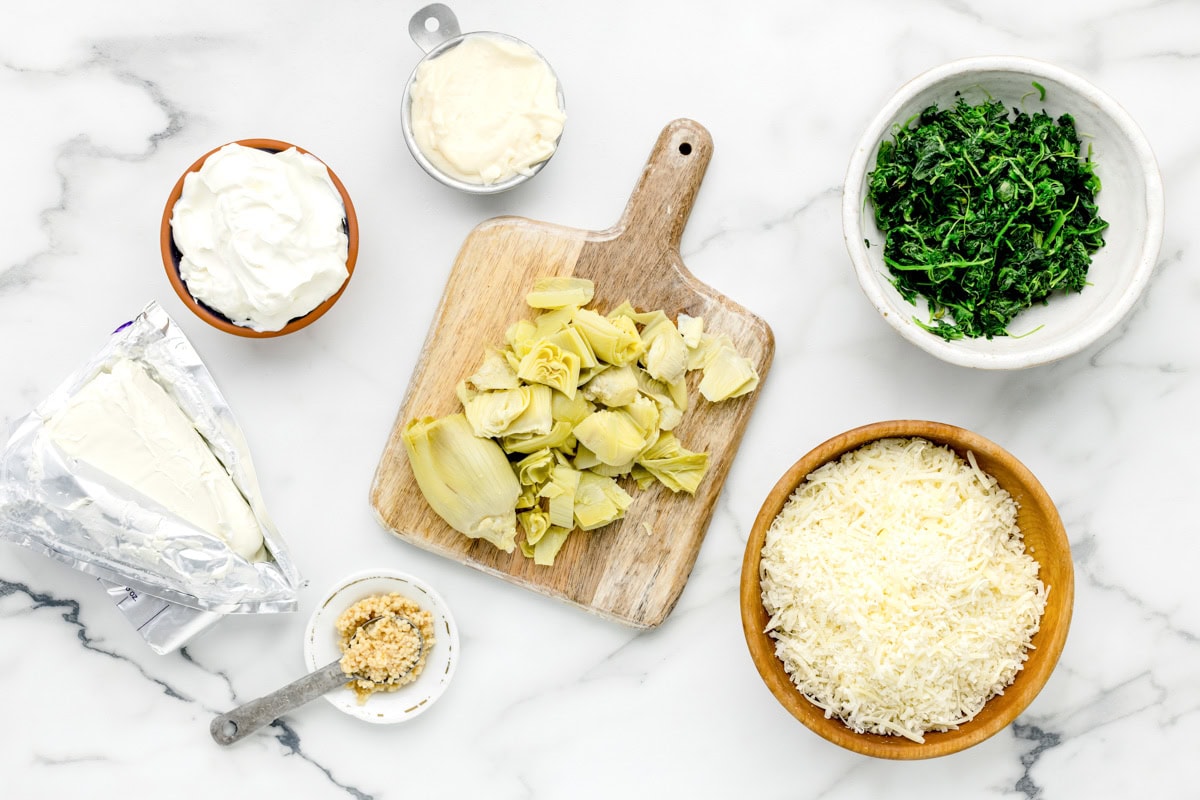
(104, 107)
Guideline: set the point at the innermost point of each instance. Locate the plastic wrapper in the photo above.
(170, 578)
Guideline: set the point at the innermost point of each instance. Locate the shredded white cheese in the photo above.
(900, 593)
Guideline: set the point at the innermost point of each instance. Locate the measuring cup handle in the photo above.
(445, 26)
(245, 720)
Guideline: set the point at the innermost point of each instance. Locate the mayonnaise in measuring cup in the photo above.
(486, 110)
(261, 235)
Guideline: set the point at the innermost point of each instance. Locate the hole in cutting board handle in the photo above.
(685, 148)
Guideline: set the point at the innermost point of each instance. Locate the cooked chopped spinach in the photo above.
(985, 214)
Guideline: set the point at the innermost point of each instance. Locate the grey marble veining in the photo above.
(106, 106)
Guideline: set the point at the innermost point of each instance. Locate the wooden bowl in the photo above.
(171, 255)
(1045, 540)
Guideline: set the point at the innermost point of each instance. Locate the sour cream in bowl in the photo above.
(259, 238)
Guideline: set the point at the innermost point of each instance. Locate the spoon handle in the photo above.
(246, 719)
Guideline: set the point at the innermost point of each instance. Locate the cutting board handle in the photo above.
(662, 201)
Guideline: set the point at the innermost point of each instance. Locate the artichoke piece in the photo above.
(557, 292)
(599, 501)
(643, 413)
(529, 497)
(558, 437)
(691, 329)
(510, 411)
(466, 480)
(615, 386)
(534, 469)
(545, 551)
(613, 340)
(548, 364)
(535, 523)
(626, 309)
(494, 373)
(585, 459)
(727, 374)
(666, 355)
(553, 321)
(520, 337)
(676, 467)
(570, 340)
(560, 490)
(613, 472)
(641, 476)
(572, 410)
(613, 436)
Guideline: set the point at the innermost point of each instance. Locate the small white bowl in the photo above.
(1130, 199)
(321, 646)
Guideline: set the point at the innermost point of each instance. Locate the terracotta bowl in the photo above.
(171, 255)
(1045, 540)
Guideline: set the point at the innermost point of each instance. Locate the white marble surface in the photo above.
(106, 104)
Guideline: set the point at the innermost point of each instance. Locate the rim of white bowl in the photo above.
(388, 708)
(1086, 333)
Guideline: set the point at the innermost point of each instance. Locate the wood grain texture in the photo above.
(621, 571)
(1045, 540)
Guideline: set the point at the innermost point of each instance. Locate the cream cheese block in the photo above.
(123, 423)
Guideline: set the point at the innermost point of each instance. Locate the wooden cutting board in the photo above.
(634, 570)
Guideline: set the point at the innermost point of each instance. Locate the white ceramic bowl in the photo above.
(1130, 199)
(321, 648)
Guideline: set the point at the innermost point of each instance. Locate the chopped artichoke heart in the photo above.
(571, 341)
(528, 497)
(521, 337)
(549, 544)
(657, 391)
(571, 410)
(699, 355)
(534, 469)
(466, 480)
(510, 411)
(550, 322)
(561, 491)
(615, 341)
(676, 467)
(599, 501)
(612, 436)
(494, 373)
(669, 417)
(665, 356)
(613, 472)
(558, 437)
(535, 523)
(585, 459)
(616, 386)
(546, 363)
(727, 375)
(556, 292)
(626, 309)
(644, 414)
(691, 329)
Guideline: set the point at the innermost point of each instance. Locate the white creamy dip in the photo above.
(261, 235)
(486, 110)
(123, 423)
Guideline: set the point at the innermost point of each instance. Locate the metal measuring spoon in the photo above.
(444, 35)
(244, 720)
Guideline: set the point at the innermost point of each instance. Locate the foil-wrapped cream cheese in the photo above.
(124, 424)
(135, 471)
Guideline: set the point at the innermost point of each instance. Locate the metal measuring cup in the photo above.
(435, 29)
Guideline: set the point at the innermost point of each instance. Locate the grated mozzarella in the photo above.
(900, 593)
